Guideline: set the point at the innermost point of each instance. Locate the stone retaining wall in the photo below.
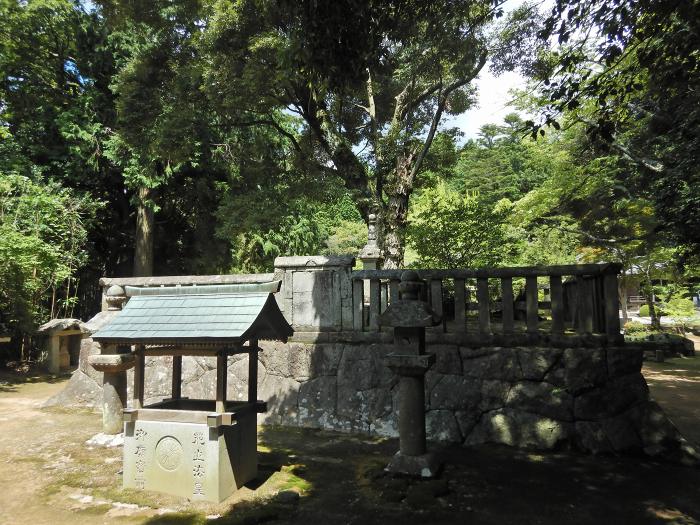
(590, 399)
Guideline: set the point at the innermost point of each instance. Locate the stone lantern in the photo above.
(113, 362)
(409, 316)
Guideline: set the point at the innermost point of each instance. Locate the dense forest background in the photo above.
(205, 136)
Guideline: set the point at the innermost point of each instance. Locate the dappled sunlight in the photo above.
(669, 514)
(656, 376)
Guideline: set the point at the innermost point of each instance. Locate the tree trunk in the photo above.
(394, 229)
(395, 212)
(622, 290)
(655, 321)
(145, 221)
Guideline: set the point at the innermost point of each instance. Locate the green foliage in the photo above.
(635, 328)
(681, 310)
(43, 230)
(294, 235)
(545, 245)
(346, 238)
(501, 164)
(630, 72)
(661, 309)
(452, 230)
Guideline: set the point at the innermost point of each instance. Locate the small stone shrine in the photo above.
(203, 449)
(62, 343)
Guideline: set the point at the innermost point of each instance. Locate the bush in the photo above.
(634, 327)
(644, 310)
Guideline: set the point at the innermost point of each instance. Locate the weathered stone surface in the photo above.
(425, 465)
(493, 394)
(448, 359)
(624, 360)
(286, 359)
(500, 364)
(580, 369)
(365, 405)
(89, 347)
(315, 299)
(455, 393)
(100, 320)
(536, 362)
(590, 437)
(467, 420)
(441, 425)
(300, 361)
(111, 362)
(237, 378)
(281, 394)
(621, 434)
(325, 359)
(468, 352)
(611, 399)
(81, 391)
(362, 368)
(55, 326)
(520, 429)
(113, 402)
(531, 397)
(106, 440)
(541, 398)
(317, 401)
(387, 426)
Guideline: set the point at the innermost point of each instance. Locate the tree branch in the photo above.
(649, 164)
(547, 222)
(440, 109)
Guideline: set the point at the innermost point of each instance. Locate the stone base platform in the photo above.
(190, 460)
(424, 466)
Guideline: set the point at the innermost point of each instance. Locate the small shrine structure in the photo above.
(62, 343)
(197, 448)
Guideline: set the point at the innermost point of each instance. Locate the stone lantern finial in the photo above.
(115, 297)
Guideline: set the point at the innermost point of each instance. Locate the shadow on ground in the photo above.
(11, 378)
(337, 478)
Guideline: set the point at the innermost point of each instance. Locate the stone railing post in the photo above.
(316, 292)
(113, 361)
(409, 316)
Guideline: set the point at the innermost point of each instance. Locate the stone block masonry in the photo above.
(593, 400)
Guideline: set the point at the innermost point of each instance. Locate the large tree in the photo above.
(370, 83)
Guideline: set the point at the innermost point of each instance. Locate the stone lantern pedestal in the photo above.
(114, 367)
(114, 361)
(409, 316)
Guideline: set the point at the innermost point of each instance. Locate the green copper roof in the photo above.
(189, 318)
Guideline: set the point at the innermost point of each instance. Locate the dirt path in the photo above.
(31, 452)
(675, 385)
